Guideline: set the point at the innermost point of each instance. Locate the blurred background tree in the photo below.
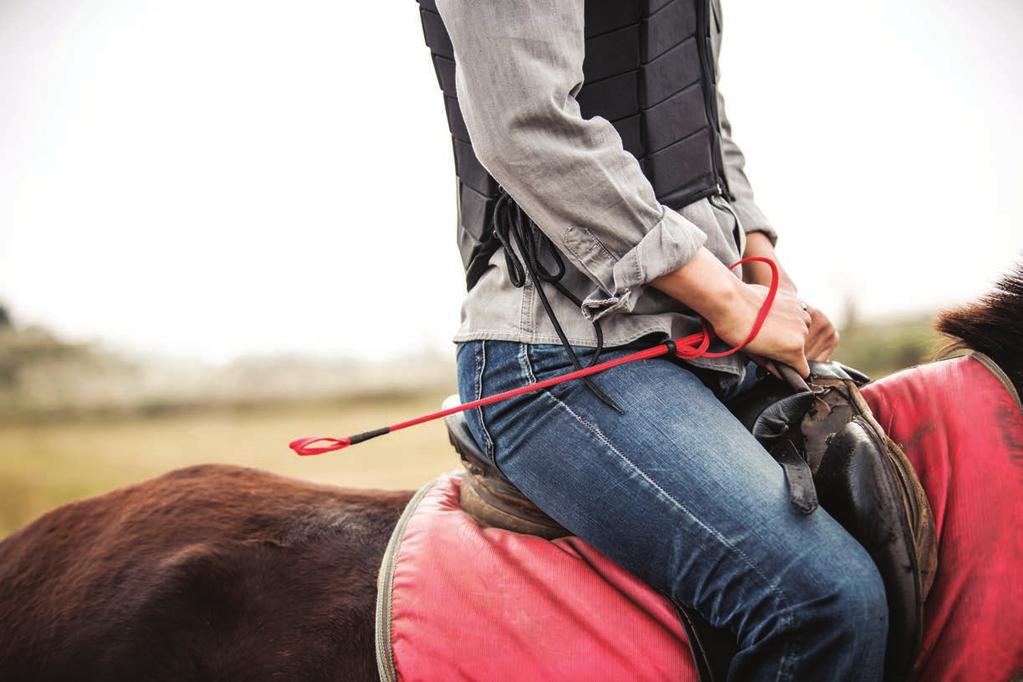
(882, 346)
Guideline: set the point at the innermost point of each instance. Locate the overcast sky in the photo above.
(221, 177)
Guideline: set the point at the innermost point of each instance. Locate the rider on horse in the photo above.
(601, 200)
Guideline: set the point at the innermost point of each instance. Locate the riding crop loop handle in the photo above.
(687, 348)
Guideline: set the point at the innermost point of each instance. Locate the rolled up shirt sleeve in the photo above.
(518, 70)
(751, 217)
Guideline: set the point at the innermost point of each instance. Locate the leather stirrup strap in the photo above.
(802, 491)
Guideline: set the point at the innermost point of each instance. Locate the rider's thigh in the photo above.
(677, 491)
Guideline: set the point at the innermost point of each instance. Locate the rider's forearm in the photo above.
(759, 244)
(704, 284)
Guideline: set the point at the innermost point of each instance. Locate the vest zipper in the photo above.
(703, 11)
(703, 18)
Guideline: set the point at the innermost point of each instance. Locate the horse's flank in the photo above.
(209, 572)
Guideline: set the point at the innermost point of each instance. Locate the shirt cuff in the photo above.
(670, 244)
(753, 219)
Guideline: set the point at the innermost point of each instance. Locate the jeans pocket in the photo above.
(541, 360)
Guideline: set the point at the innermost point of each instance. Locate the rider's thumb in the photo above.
(802, 366)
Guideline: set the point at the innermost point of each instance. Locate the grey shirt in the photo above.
(519, 67)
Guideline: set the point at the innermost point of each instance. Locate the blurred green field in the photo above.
(45, 464)
(75, 423)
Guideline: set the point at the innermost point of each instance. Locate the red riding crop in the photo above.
(688, 347)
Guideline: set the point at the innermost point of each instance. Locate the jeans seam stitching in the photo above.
(788, 657)
(481, 365)
(787, 619)
(525, 364)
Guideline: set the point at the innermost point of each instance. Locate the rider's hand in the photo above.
(823, 337)
(784, 334)
(731, 307)
(820, 342)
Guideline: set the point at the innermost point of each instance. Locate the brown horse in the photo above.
(219, 572)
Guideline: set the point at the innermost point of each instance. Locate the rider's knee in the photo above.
(852, 599)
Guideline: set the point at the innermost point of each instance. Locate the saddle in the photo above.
(834, 455)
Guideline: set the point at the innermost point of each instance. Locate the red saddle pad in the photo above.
(961, 426)
(460, 602)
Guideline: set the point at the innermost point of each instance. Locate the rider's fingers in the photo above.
(801, 365)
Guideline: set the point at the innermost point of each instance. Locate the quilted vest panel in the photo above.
(648, 69)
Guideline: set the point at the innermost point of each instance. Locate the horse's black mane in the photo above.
(993, 325)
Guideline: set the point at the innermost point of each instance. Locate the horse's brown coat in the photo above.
(207, 573)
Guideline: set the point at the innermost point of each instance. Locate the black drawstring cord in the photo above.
(510, 224)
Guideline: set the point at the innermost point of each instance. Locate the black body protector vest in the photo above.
(649, 70)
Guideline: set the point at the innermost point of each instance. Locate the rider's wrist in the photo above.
(724, 299)
(704, 284)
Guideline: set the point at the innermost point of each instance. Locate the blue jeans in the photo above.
(680, 494)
